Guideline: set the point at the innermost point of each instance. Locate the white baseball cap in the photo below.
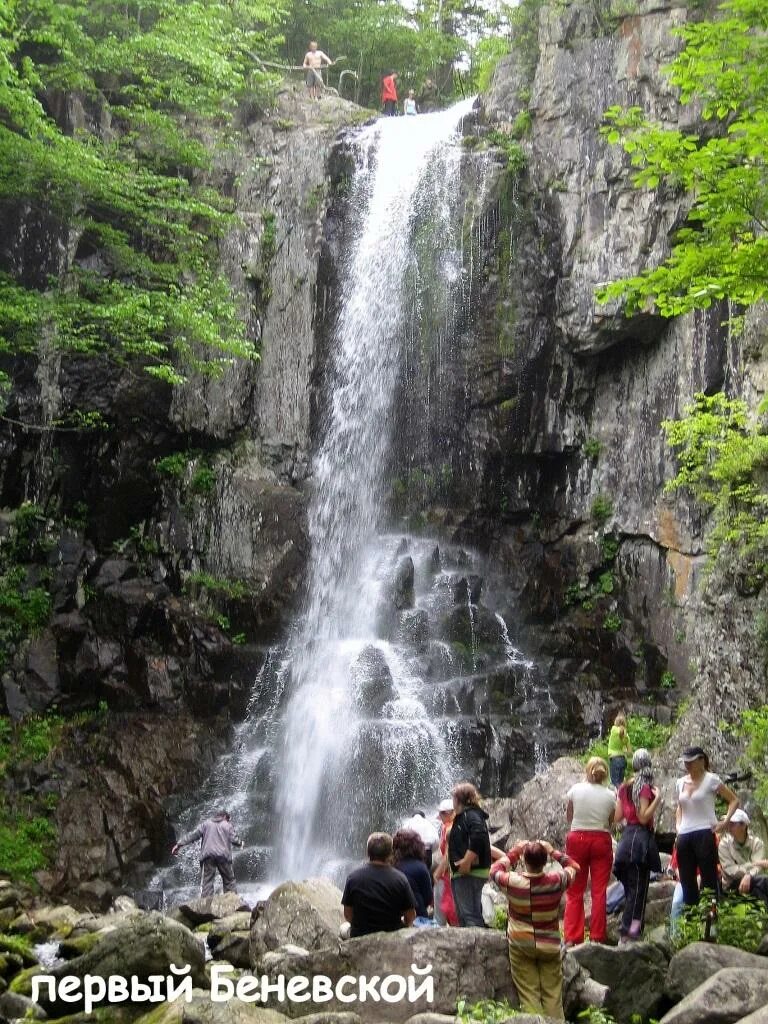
(739, 817)
(445, 805)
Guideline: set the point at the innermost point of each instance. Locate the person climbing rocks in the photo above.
(619, 748)
(409, 104)
(389, 94)
(532, 928)
(377, 897)
(314, 61)
(217, 837)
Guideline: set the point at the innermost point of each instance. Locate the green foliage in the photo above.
(602, 510)
(522, 125)
(752, 728)
(596, 1015)
(591, 448)
(722, 458)
(486, 56)
(173, 466)
(203, 480)
(486, 1011)
(136, 194)
(722, 251)
(741, 922)
(514, 152)
(612, 622)
(667, 681)
(25, 605)
(500, 918)
(234, 589)
(26, 844)
(642, 732)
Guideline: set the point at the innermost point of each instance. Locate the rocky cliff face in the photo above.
(609, 570)
(173, 541)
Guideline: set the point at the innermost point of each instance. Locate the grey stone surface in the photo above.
(306, 914)
(727, 996)
(695, 963)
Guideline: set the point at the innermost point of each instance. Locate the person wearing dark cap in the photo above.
(697, 823)
(216, 837)
(742, 859)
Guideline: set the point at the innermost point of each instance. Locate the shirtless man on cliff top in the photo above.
(314, 61)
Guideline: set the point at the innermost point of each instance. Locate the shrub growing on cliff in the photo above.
(128, 182)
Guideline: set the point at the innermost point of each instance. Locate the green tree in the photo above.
(126, 186)
(722, 251)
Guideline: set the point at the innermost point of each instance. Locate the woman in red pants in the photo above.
(591, 809)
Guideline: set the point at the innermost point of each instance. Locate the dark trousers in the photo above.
(390, 108)
(467, 890)
(697, 851)
(617, 766)
(635, 879)
(210, 866)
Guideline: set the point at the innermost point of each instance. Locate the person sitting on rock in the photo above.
(217, 837)
(532, 928)
(742, 859)
(408, 852)
(376, 897)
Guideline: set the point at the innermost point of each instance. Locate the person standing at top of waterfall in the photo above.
(590, 812)
(314, 61)
(409, 104)
(217, 837)
(389, 94)
(469, 854)
(619, 749)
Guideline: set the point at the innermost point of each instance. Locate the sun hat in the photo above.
(739, 817)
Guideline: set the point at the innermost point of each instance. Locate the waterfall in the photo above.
(396, 679)
(403, 164)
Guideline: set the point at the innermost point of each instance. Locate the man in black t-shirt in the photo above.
(377, 897)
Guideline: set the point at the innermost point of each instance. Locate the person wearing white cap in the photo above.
(742, 858)
(445, 909)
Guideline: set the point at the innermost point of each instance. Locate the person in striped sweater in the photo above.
(533, 932)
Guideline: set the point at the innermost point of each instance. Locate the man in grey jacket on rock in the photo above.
(217, 838)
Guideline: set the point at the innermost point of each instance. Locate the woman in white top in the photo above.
(591, 809)
(697, 824)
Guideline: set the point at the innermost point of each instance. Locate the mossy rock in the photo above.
(20, 947)
(21, 984)
(102, 1015)
(71, 948)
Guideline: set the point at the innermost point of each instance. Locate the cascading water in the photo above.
(386, 687)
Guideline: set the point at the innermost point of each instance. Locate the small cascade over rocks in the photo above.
(399, 676)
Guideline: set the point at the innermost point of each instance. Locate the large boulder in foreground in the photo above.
(694, 964)
(144, 946)
(732, 993)
(467, 963)
(306, 914)
(202, 1011)
(634, 975)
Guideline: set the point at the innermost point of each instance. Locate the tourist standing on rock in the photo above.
(408, 854)
(217, 837)
(469, 854)
(590, 812)
(697, 824)
(445, 908)
(619, 748)
(742, 859)
(389, 94)
(314, 60)
(376, 897)
(637, 854)
(532, 926)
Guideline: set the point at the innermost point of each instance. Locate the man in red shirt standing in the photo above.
(389, 93)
